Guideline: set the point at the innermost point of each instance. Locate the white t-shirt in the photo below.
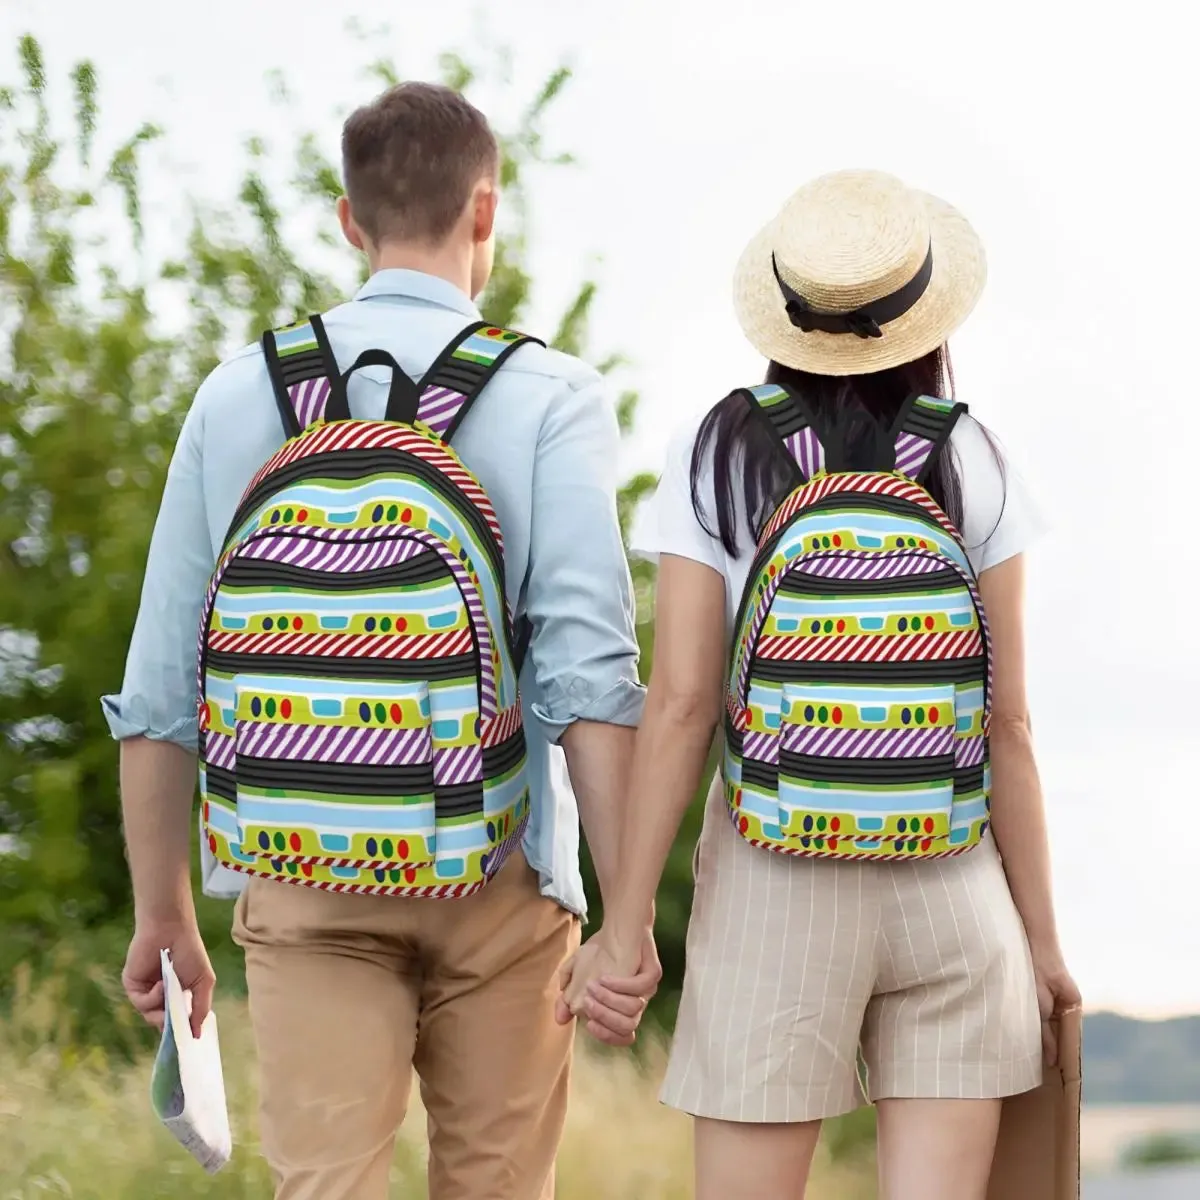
(1000, 518)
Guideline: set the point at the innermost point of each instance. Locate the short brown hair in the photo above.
(410, 159)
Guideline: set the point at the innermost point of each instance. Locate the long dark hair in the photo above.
(854, 411)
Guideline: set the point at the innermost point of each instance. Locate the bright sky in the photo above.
(1068, 138)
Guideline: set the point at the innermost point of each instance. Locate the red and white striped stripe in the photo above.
(374, 435)
(866, 483)
(797, 852)
(872, 648)
(446, 891)
(343, 645)
(502, 726)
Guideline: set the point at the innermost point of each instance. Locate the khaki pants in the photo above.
(349, 993)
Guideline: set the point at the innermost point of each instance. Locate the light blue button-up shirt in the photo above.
(542, 439)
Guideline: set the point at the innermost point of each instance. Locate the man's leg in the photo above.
(333, 1001)
(494, 1064)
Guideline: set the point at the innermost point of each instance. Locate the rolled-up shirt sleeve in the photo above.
(579, 595)
(158, 696)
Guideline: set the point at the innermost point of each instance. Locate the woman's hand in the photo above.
(1057, 993)
(609, 987)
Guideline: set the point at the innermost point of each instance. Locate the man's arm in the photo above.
(154, 717)
(579, 598)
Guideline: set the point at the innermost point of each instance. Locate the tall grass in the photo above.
(77, 1123)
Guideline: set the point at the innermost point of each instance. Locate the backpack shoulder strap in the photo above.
(922, 428)
(461, 372)
(792, 423)
(304, 376)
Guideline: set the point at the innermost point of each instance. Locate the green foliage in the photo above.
(1162, 1150)
(95, 377)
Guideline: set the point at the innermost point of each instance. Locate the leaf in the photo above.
(385, 71)
(455, 71)
(572, 328)
(627, 410)
(84, 79)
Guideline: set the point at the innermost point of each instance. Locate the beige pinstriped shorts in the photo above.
(922, 967)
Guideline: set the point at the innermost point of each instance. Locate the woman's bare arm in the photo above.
(683, 707)
(1018, 811)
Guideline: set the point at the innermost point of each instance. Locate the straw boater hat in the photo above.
(857, 273)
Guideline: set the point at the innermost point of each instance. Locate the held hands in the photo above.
(609, 987)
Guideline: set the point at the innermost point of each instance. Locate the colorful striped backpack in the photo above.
(360, 727)
(859, 687)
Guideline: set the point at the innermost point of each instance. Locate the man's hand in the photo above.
(142, 977)
(609, 989)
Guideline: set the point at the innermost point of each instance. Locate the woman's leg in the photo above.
(936, 1149)
(953, 1027)
(737, 1160)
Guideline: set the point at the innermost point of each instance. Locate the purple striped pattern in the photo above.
(871, 564)
(806, 449)
(220, 750)
(457, 764)
(761, 747)
(319, 555)
(969, 751)
(438, 408)
(911, 453)
(868, 743)
(334, 744)
(308, 400)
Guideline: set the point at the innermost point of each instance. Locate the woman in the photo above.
(933, 957)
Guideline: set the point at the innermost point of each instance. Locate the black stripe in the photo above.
(766, 775)
(362, 465)
(308, 364)
(220, 782)
(341, 779)
(798, 582)
(499, 760)
(819, 769)
(787, 418)
(459, 800)
(457, 375)
(734, 738)
(761, 774)
(957, 670)
(968, 779)
(923, 423)
(422, 670)
(455, 801)
(263, 573)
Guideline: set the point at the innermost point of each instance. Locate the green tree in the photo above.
(94, 382)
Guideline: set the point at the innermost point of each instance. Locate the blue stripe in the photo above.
(887, 527)
(798, 608)
(290, 338)
(338, 816)
(283, 685)
(442, 599)
(793, 795)
(848, 693)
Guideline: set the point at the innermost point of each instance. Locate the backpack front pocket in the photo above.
(334, 771)
(867, 764)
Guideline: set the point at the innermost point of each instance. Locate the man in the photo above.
(349, 992)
